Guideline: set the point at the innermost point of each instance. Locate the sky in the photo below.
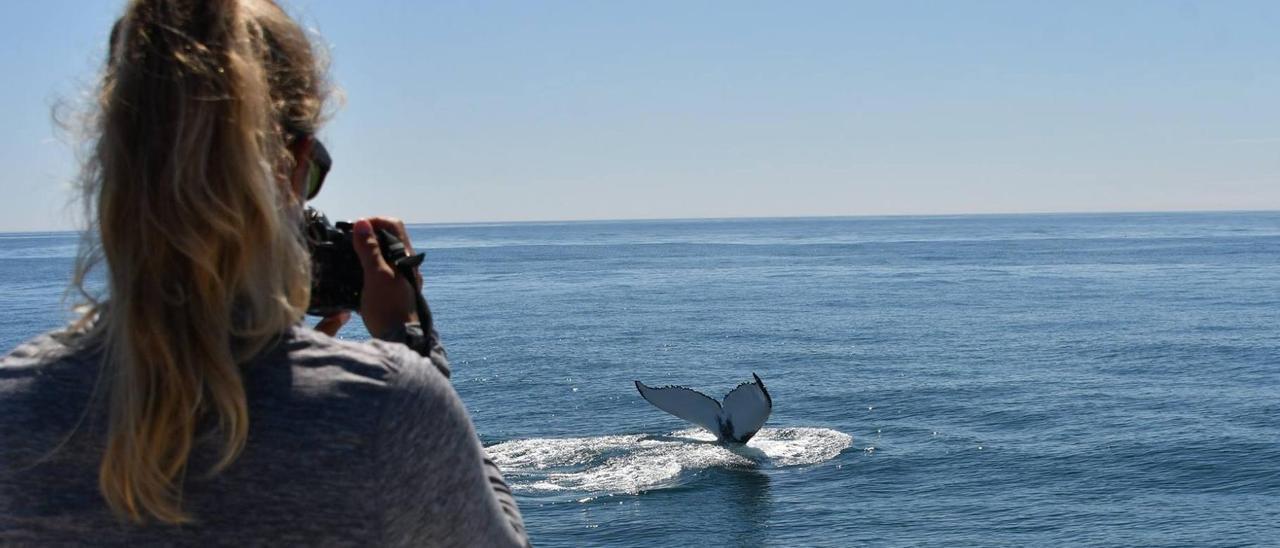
(547, 110)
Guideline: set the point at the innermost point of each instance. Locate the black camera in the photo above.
(336, 276)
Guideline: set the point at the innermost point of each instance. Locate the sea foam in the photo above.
(631, 463)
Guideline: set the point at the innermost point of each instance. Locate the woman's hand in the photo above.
(387, 300)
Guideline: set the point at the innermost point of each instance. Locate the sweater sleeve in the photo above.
(425, 342)
(436, 486)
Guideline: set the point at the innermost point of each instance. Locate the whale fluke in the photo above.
(744, 411)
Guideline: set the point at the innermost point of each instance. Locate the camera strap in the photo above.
(407, 266)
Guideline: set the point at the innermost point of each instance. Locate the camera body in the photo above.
(337, 278)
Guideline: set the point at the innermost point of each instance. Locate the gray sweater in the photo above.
(349, 444)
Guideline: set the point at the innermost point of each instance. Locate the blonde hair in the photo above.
(188, 207)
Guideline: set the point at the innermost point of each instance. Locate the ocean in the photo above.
(1020, 380)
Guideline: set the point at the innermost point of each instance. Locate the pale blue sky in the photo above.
(484, 111)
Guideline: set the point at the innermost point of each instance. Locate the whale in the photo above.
(743, 413)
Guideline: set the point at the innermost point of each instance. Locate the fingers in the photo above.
(367, 248)
(396, 228)
(330, 325)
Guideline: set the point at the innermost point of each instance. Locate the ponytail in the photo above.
(205, 263)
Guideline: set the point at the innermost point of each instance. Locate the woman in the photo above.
(190, 406)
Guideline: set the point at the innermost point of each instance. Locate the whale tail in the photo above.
(744, 411)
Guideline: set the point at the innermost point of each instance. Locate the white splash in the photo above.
(633, 463)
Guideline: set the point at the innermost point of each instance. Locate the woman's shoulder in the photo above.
(44, 383)
(42, 350)
(407, 385)
(385, 362)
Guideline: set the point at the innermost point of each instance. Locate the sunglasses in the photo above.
(318, 162)
(317, 167)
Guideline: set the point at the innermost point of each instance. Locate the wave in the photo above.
(631, 463)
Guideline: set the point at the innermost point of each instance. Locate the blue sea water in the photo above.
(938, 381)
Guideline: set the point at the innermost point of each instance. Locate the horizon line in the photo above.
(780, 217)
(850, 216)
